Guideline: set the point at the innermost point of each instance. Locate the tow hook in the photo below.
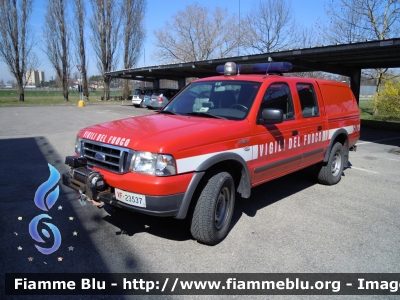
(83, 199)
(96, 203)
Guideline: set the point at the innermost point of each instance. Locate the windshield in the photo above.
(225, 99)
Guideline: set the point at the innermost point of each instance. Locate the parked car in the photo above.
(160, 98)
(137, 96)
(146, 99)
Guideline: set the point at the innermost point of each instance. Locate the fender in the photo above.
(244, 187)
(333, 140)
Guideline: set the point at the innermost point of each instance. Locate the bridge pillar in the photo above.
(156, 84)
(355, 83)
(181, 82)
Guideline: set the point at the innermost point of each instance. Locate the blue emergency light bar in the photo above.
(230, 68)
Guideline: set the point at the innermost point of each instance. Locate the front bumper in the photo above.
(163, 206)
(168, 205)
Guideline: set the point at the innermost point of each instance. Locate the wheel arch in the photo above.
(229, 162)
(233, 164)
(342, 137)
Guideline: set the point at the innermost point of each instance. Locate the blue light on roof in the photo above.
(260, 68)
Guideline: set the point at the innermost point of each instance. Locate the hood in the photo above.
(161, 133)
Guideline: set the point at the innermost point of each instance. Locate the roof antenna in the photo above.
(270, 61)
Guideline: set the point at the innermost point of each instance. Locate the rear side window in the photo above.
(278, 96)
(308, 100)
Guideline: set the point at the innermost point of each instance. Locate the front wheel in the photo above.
(331, 172)
(214, 209)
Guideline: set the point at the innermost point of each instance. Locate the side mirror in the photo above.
(271, 116)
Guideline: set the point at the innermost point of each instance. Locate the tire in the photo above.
(214, 209)
(331, 172)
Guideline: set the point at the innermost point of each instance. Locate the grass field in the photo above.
(366, 109)
(367, 112)
(378, 122)
(43, 97)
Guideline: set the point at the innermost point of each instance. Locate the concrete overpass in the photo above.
(342, 59)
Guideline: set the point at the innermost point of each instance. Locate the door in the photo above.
(313, 123)
(277, 148)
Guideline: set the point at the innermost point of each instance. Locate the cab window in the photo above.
(278, 96)
(225, 99)
(308, 100)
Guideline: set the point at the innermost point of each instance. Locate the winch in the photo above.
(88, 182)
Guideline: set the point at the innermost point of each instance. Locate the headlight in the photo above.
(153, 164)
(165, 165)
(78, 143)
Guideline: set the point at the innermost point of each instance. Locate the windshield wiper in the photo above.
(203, 114)
(168, 112)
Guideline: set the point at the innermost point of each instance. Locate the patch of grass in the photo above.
(377, 122)
(45, 97)
(366, 109)
(367, 113)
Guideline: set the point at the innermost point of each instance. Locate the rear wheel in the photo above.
(331, 172)
(214, 209)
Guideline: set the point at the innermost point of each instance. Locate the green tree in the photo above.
(388, 99)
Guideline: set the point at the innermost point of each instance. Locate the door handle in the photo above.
(295, 132)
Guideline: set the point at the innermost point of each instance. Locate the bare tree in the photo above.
(308, 37)
(360, 20)
(105, 27)
(133, 12)
(79, 10)
(16, 40)
(196, 33)
(342, 27)
(57, 38)
(269, 26)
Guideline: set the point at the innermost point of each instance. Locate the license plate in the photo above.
(130, 198)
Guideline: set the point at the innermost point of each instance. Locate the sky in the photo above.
(306, 12)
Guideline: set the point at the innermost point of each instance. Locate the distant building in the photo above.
(367, 90)
(34, 77)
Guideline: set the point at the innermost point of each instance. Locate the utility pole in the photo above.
(239, 31)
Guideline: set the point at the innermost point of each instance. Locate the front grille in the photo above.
(108, 157)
